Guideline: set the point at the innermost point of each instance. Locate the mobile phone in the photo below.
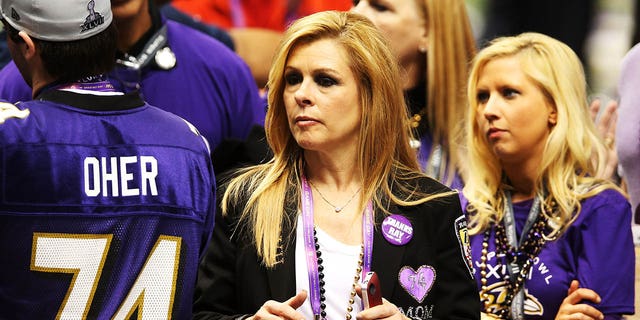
(371, 293)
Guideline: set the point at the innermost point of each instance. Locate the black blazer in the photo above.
(232, 283)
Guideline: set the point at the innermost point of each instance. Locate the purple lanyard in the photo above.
(310, 249)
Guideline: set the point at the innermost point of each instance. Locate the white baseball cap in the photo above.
(58, 20)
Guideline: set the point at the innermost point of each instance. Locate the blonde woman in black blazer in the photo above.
(342, 196)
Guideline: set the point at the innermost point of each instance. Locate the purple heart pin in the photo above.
(397, 229)
(417, 283)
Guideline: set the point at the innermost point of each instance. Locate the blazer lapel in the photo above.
(386, 258)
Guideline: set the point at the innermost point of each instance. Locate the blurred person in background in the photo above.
(433, 41)
(569, 21)
(176, 68)
(627, 136)
(255, 26)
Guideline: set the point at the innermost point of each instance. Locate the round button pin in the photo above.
(165, 58)
(397, 229)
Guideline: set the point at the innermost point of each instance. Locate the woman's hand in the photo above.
(386, 310)
(571, 308)
(606, 125)
(282, 310)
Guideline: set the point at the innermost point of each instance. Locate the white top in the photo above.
(340, 262)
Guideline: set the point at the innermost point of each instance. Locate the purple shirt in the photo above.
(597, 250)
(211, 86)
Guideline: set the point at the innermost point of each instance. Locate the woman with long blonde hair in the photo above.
(342, 196)
(538, 214)
(434, 44)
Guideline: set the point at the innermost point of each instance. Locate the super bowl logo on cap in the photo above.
(397, 229)
(14, 15)
(94, 18)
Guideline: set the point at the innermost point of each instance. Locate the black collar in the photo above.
(92, 102)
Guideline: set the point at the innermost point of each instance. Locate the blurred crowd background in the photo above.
(608, 28)
(608, 38)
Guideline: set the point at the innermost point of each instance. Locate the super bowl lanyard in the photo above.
(310, 249)
(517, 305)
(151, 48)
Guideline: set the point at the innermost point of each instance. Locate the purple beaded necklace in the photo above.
(312, 251)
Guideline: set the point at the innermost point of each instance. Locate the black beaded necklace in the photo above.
(523, 256)
(356, 279)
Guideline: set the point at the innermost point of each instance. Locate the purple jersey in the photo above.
(597, 250)
(106, 204)
(210, 86)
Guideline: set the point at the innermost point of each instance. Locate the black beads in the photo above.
(520, 258)
(323, 298)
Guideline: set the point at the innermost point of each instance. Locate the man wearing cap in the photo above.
(106, 202)
(176, 68)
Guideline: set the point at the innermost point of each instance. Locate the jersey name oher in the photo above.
(128, 176)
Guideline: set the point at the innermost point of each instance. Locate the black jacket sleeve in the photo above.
(215, 294)
(459, 298)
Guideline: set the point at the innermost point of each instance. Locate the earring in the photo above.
(422, 49)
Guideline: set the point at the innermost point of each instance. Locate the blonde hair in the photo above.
(385, 159)
(574, 151)
(451, 46)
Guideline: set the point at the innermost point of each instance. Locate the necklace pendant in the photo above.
(338, 209)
